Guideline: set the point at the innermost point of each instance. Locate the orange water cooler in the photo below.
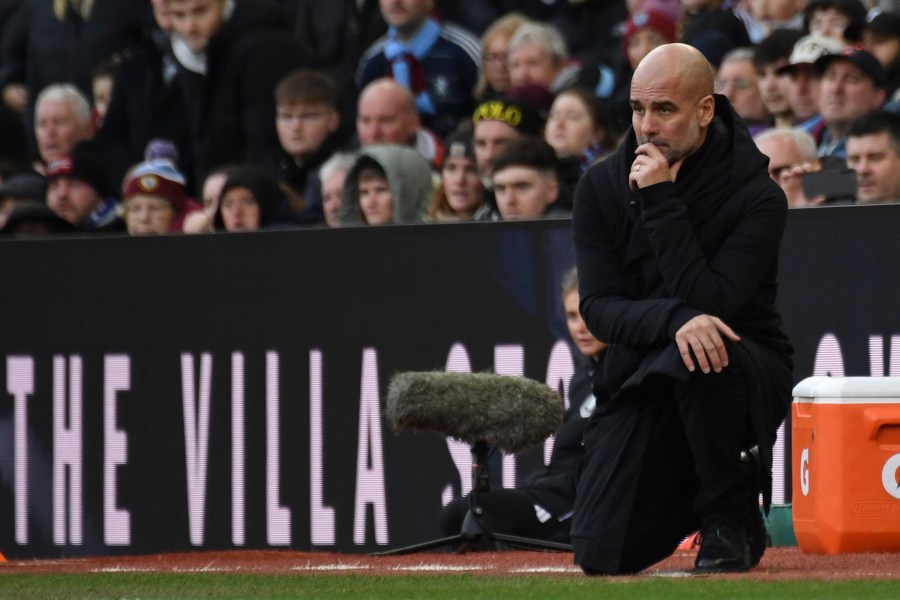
(846, 464)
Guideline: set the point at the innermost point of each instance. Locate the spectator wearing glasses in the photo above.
(308, 124)
(154, 200)
(737, 81)
(493, 77)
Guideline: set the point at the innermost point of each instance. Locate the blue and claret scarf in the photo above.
(405, 59)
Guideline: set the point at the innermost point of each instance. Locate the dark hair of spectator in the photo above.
(369, 169)
(306, 87)
(875, 122)
(457, 145)
(108, 67)
(775, 46)
(265, 190)
(854, 10)
(225, 169)
(527, 152)
(598, 109)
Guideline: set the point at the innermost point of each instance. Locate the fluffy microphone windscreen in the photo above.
(511, 413)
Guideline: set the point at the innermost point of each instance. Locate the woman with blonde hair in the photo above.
(493, 77)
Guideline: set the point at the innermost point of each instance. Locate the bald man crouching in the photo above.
(676, 239)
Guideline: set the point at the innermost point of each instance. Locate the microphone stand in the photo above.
(474, 529)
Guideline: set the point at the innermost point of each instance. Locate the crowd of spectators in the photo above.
(197, 116)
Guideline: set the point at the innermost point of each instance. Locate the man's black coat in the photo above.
(650, 260)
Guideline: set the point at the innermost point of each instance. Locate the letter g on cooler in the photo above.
(804, 471)
(890, 475)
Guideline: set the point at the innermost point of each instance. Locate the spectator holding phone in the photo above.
(736, 80)
(792, 154)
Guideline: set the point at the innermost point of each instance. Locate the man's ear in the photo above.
(553, 190)
(334, 120)
(706, 109)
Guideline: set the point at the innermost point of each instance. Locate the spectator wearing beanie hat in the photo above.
(31, 218)
(498, 122)
(460, 193)
(79, 190)
(249, 201)
(155, 200)
(645, 30)
(18, 188)
(652, 23)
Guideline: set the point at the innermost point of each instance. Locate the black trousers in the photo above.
(660, 459)
(508, 511)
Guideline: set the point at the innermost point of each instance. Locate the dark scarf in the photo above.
(702, 179)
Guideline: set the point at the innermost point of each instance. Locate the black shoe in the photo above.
(723, 549)
(757, 536)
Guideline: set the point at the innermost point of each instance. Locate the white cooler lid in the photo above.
(848, 388)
